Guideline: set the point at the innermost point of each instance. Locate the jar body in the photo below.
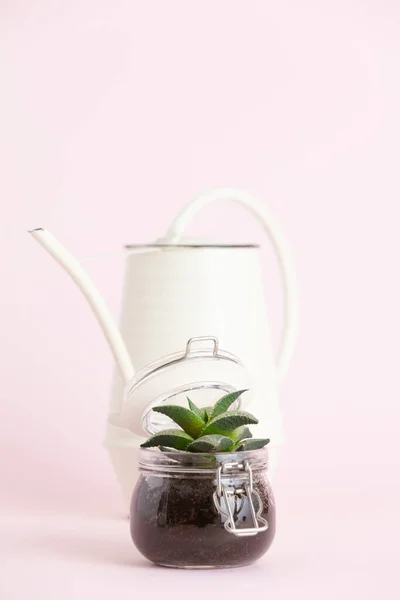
(178, 518)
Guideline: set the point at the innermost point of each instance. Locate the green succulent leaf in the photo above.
(185, 418)
(241, 433)
(173, 438)
(207, 412)
(225, 402)
(195, 409)
(210, 429)
(229, 421)
(252, 444)
(211, 443)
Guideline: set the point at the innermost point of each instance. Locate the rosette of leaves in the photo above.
(211, 429)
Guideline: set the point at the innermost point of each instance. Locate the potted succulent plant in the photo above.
(203, 499)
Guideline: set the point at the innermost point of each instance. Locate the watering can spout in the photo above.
(100, 309)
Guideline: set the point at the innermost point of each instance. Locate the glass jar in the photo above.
(192, 510)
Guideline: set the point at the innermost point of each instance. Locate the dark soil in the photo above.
(174, 522)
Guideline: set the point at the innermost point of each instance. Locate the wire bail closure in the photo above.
(259, 523)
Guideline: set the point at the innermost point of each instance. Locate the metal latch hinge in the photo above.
(222, 504)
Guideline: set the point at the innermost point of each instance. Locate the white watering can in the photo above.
(193, 319)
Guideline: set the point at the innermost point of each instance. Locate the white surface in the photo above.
(317, 555)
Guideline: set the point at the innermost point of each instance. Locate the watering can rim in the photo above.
(162, 244)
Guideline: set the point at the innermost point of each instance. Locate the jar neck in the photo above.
(189, 462)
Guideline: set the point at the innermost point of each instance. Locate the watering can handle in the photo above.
(282, 252)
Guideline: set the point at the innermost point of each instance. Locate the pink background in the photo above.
(115, 113)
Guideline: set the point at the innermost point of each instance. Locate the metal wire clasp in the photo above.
(246, 491)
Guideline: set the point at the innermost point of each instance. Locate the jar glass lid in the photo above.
(203, 372)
